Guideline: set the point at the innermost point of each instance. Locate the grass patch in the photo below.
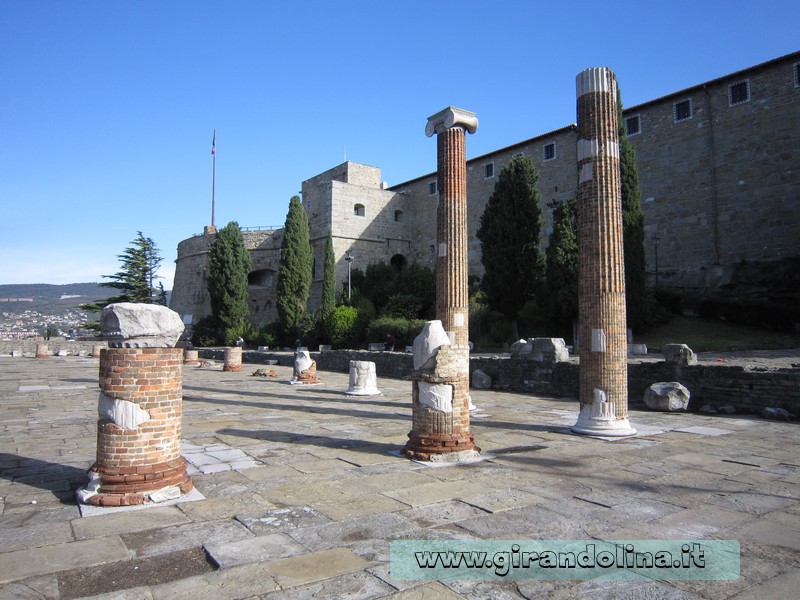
(714, 335)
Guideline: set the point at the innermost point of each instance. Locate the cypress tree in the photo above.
(632, 229)
(562, 270)
(294, 272)
(509, 233)
(228, 266)
(328, 288)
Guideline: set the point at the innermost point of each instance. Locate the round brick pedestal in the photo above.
(139, 431)
(233, 359)
(42, 351)
(191, 358)
(96, 351)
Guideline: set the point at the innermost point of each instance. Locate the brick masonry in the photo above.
(601, 271)
(134, 462)
(233, 359)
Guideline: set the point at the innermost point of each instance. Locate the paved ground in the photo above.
(302, 493)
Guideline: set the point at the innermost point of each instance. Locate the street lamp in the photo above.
(348, 256)
(656, 239)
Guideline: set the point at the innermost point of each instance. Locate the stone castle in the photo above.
(719, 166)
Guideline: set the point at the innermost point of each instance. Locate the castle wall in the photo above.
(721, 187)
(719, 190)
(350, 201)
(190, 297)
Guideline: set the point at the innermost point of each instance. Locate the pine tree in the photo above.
(228, 266)
(328, 288)
(509, 234)
(294, 272)
(136, 278)
(632, 229)
(562, 270)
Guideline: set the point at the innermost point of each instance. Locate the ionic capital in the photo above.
(451, 117)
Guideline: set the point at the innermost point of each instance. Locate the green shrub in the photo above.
(366, 314)
(404, 330)
(266, 336)
(406, 306)
(310, 328)
(207, 332)
(343, 324)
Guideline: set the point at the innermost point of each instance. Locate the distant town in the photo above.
(43, 310)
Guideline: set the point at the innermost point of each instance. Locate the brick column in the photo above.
(233, 359)
(440, 387)
(601, 281)
(191, 358)
(139, 430)
(42, 351)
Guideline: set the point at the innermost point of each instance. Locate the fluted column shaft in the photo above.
(601, 283)
(452, 302)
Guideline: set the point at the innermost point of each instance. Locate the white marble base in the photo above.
(598, 419)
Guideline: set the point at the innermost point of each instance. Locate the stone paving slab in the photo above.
(125, 522)
(182, 537)
(353, 586)
(263, 548)
(246, 581)
(315, 566)
(21, 564)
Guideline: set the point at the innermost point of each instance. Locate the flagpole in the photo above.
(213, 174)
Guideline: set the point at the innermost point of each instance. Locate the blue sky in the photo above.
(107, 108)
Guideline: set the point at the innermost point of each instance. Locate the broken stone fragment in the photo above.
(427, 344)
(436, 396)
(679, 354)
(124, 413)
(302, 361)
(134, 325)
(668, 396)
(481, 380)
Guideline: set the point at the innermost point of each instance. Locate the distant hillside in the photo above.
(46, 298)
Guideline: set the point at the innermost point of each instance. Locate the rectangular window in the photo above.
(739, 93)
(683, 110)
(549, 151)
(797, 74)
(488, 170)
(633, 125)
(432, 188)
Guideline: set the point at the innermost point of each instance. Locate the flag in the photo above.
(214, 143)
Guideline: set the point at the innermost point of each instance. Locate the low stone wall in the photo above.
(54, 345)
(747, 389)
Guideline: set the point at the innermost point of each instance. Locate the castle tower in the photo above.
(601, 281)
(440, 383)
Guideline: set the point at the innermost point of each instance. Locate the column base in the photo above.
(441, 447)
(129, 486)
(601, 421)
